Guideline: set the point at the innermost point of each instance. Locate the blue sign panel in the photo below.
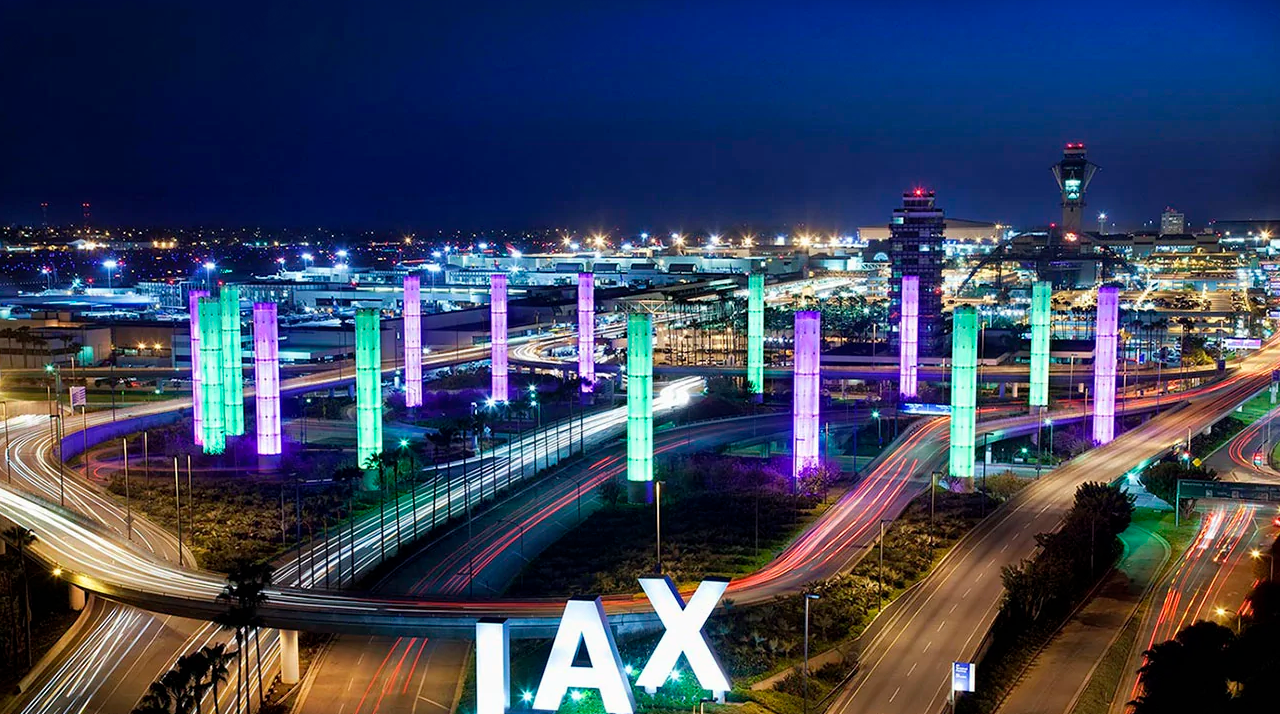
(963, 676)
(925, 409)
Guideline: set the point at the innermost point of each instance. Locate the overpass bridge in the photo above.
(97, 559)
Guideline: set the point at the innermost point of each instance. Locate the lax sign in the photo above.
(585, 624)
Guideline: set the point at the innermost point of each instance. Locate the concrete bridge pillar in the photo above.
(289, 673)
(1015, 389)
(75, 598)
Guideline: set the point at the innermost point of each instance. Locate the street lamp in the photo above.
(657, 519)
(875, 414)
(110, 265)
(880, 573)
(1102, 223)
(1255, 553)
(209, 265)
(808, 598)
(1049, 421)
(1223, 612)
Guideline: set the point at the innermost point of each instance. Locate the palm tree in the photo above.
(218, 658)
(157, 700)
(393, 460)
(245, 592)
(22, 538)
(195, 667)
(22, 336)
(234, 619)
(7, 334)
(177, 683)
(374, 461)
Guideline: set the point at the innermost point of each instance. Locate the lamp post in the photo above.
(657, 514)
(808, 598)
(110, 264)
(1255, 553)
(208, 273)
(8, 467)
(1050, 423)
(1223, 612)
(880, 570)
(933, 492)
(875, 414)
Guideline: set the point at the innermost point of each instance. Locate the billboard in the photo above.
(1242, 343)
(1229, 490)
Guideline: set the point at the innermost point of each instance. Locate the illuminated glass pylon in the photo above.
(1104, 364)
(755, 334)
(498, 337)
(368, 386)
(412, 341)
(804, 388)
(909, 338)
(1041, 315)
(640, 407)
(211, 373)
(964, 390)
(232, 362)
(266, 377)
(197, 379)
(587, 331)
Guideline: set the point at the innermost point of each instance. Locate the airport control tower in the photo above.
(1073, 173)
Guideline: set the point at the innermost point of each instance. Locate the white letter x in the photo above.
(683, 633)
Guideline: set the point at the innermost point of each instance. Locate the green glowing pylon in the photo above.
(640, 407)
(964, 389)
(755, 333)
(214, 432)
(368, 386)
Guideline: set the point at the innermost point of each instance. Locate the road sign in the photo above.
(963, 676)
(1229, 490)
(1242, 343)
(920, 409)
(78, 398)
(1196, 462)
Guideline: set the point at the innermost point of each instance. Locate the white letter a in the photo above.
(584, 621)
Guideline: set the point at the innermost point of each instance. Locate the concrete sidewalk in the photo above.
(1054, 680)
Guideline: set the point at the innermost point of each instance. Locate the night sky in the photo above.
(633, 115)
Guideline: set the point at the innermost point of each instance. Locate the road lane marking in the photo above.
(926, 647)
(895, 694)
(913, 668)
(433, 702)
(941, 625)
(966, 593)
(953, 608)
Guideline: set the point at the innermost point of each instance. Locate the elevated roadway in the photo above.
(906, 654)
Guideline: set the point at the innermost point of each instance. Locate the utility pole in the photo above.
(657, 510)
(177, 507)
(128, 508)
